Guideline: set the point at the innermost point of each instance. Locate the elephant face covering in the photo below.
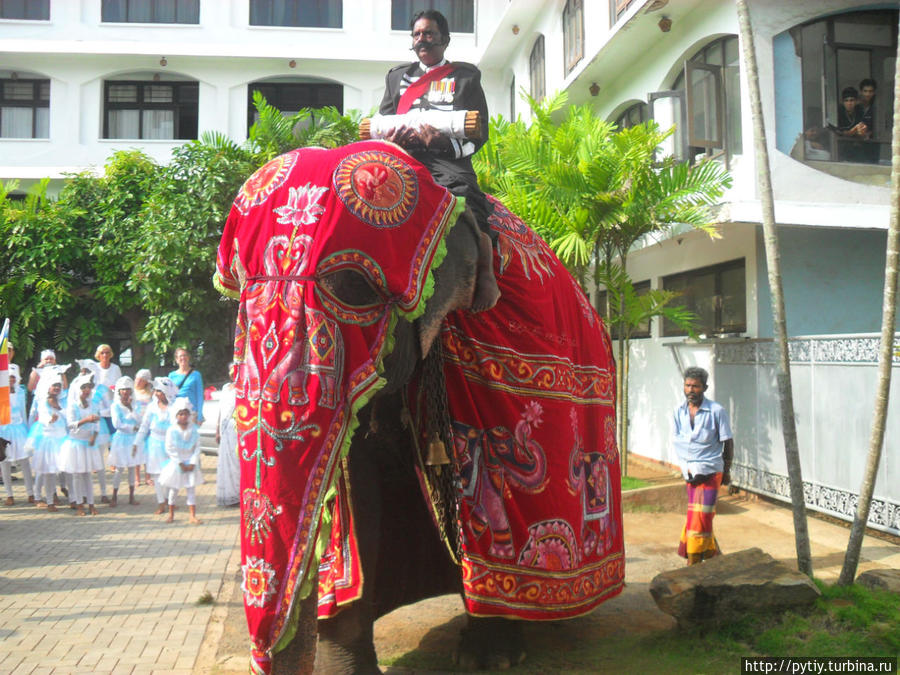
(306, 361)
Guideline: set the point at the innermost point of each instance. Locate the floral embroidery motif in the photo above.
(377, 188)
(551, 545)
(259, 514)
(259, 583)
(268, 178)
(303, 206)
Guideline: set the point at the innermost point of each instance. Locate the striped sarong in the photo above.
(697, 535)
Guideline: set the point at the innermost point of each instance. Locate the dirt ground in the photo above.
(428, 631)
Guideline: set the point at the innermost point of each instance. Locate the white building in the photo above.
(83, 78)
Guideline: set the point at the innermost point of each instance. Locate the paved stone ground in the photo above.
(112, 593)
(116, 593)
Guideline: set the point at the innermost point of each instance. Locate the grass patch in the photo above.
(642, 508)
(206, 598)
(629, 483)
(845, 621)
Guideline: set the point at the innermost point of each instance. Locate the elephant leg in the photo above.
(298, 657)
(345, 640)
(490, 643)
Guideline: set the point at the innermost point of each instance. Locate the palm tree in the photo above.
(888, 321)
(593, 192)
(783, 376)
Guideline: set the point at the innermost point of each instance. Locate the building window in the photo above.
(536, 69)
(617, 8)
(716, 294)
(632, 116)
(31, 10)
(291, 97)
(460, 13)
(642, 330)
(708, 91)
(150, 110)
(24, 108)
(151, 11)
(839, 55)
(297, 13)
(573, 33)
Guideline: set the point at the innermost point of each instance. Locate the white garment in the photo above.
(182, 447)
(228, 472)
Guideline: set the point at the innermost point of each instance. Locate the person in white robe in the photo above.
(123, 455)
(183, 469)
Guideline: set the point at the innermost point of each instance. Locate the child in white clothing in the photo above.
(183, 469)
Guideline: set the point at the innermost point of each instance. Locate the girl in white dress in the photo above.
(153, 431)
(143, 395)
(45, 444)
(183, 469)
(122, 452)
(16, 433)
(79, 454)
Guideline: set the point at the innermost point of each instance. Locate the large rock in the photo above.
(880, 580)
(727, 587)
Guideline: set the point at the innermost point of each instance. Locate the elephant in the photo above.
(393, 444)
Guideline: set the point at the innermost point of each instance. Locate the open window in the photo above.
(707, 112)
(150, 110)
(24, 107)
(847, 66)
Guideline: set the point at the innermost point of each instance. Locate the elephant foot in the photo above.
(490, 644)
(345, 644)
(345, 658)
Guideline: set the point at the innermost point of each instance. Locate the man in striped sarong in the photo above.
(705, 447)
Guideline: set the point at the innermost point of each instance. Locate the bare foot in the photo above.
(134, 502)
(113, 502)
(193, 520)
(170, 519)
(79, 510)
(50, 507)
(161, 509)
(93, 510)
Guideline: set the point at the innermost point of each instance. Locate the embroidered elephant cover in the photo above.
(531, 391)
(306, 362)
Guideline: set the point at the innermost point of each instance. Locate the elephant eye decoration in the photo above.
(352, 288)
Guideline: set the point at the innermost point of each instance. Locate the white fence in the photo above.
(834, 379)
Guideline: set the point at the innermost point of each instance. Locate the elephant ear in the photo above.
(326, 250)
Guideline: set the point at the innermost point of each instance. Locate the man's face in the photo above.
(867, 94)
(693, 390)
(850, 103)
(428, 43)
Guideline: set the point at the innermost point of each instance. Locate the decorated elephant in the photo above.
(394, 445)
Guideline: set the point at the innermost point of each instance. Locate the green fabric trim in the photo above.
(227, 292)
(311, 577)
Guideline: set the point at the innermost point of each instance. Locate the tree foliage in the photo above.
(593, 191)
(131, 252)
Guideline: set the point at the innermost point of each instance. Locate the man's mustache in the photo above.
(424, 45)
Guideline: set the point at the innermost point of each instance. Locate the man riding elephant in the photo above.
(351, 266)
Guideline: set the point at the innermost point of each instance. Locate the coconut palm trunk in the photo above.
(885, 356)
(783, 376)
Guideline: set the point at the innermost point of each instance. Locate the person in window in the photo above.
(867, 105)
(866, 111)
(850, 125)
(445, 86)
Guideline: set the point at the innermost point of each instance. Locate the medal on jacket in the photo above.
(441, 91)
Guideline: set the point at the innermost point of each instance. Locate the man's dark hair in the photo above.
(696, 373)
(849, 92)
(868, 82)
(437, 17)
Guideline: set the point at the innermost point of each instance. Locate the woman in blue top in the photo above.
(189, 382)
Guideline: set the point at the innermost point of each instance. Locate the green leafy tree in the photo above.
(593, 192)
